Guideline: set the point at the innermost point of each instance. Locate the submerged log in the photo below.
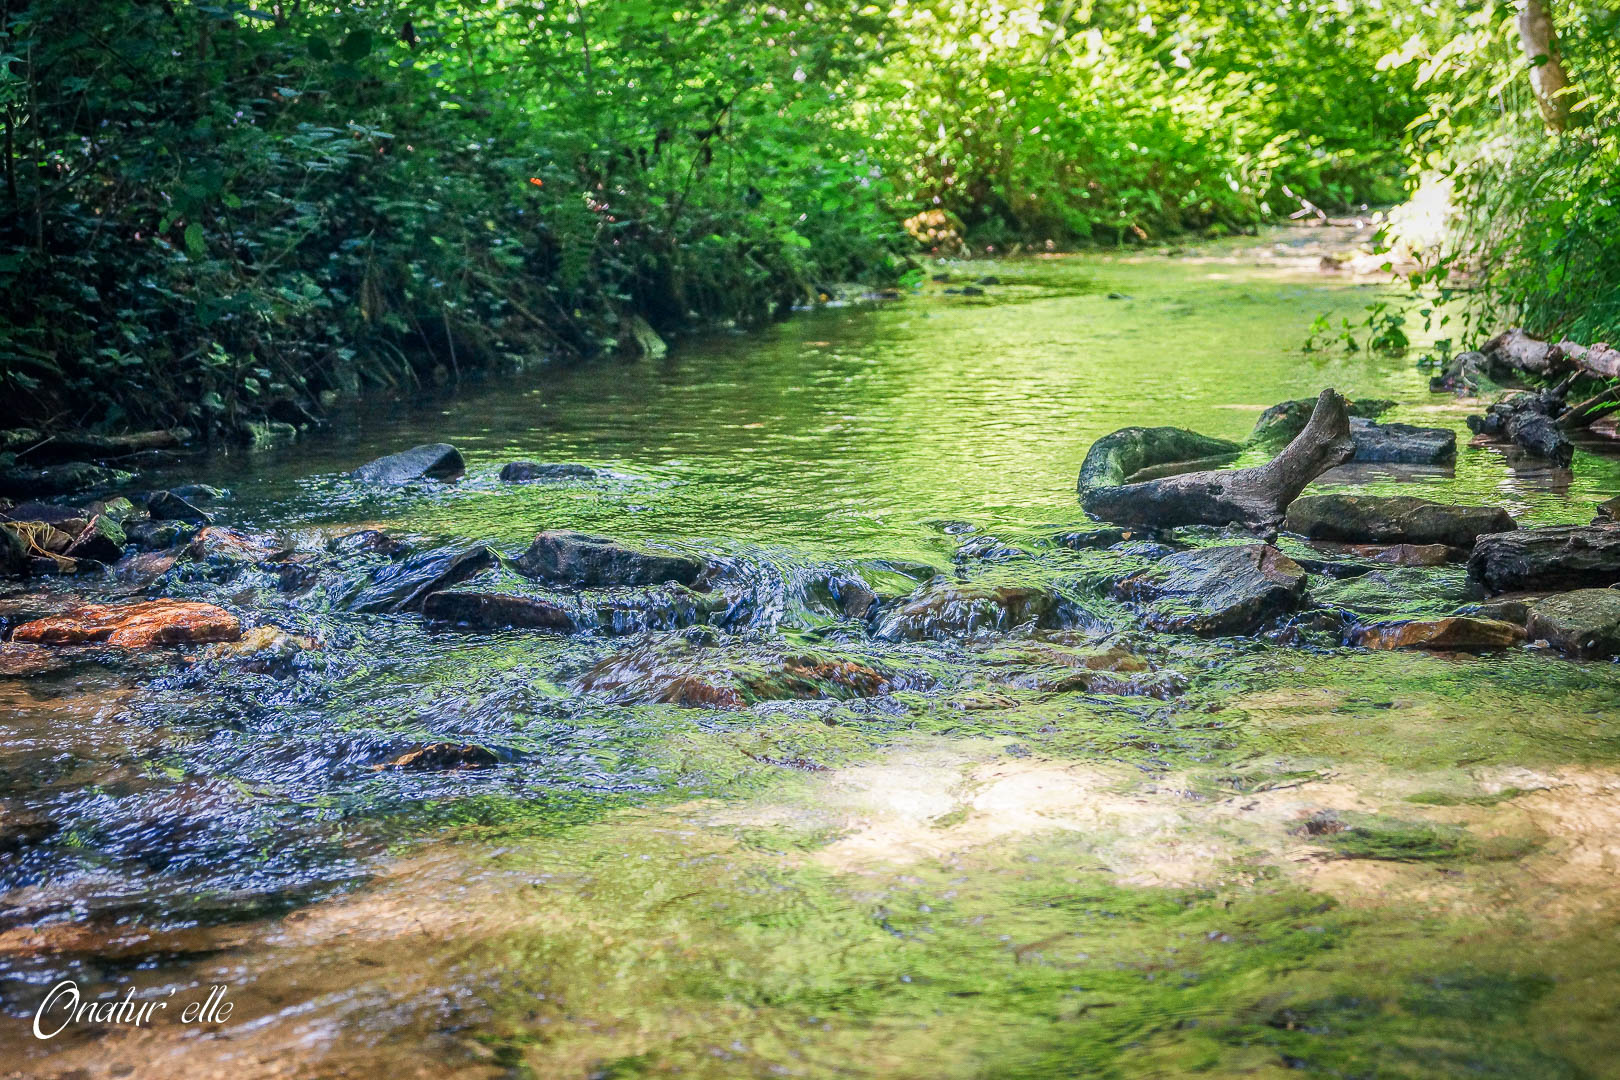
(1255, 498)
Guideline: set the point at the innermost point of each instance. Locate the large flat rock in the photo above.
(585, 561)
(1402, 444)
(1218, 590)
(133, 626)
(1584, 623)
(1393, 519)
(1456, 633)
(1557, 557)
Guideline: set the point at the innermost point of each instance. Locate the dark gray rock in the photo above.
(101, 540)
(1285, 420)
(1397, 592)
(1219, 590)
(167, 506)
(1402, 444)
(158, 535)
(1558, 557)
(1392, 519)
(1091, 539)
(13, 553)
(584, 561)
(405, 586)
(367, 542)
(523, 472)
(1531, 421)
(494, 611)
(1516, 612)
(945, 609)
(435, 461)
(69, 519)
(63, 479)
(1584, 623)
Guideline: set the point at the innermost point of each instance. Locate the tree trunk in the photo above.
(1539, 40)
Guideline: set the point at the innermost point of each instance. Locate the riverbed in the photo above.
(1251, 856)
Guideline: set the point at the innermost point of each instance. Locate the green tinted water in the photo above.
(1317, 860)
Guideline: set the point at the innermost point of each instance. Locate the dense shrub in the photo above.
(220, 212)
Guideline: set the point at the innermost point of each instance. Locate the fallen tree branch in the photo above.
(1255, 498)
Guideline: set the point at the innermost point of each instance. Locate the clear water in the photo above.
(978, 874)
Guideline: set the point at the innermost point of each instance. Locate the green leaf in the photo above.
(357, 46)
(319, 49)
(194, 239)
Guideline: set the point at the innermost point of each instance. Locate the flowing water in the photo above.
(1246, 858)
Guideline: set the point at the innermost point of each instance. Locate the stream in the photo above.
(705, 847)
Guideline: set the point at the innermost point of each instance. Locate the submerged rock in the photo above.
(228, 549)
(1451, 634)
(948, 609)
(1584, 623)
(1218, 590)
(22, 660)
(523, 472)
(438, 757)
(1557, 557)
(682, 672)
(494, 611)
(1408, 592)
(167, 506)
(584, 561)
(157, 535)
(436, 461)
(1285, 420)
(1402, 443)
(1409, 554)
(263, 650)
(1058, 669)
(133, 626)
(406, 585)
(1393, 519)
(1516, 612)
(367, 542)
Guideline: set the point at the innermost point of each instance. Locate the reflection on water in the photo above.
(776, 844)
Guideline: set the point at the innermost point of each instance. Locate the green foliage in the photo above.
(1532, 235)
(222, 214)
(1125, 122)
(214, 212)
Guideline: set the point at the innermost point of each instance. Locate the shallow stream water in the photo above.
(981, 871)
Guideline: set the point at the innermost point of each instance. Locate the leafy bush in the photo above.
(218, 212)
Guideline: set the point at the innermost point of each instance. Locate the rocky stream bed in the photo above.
(772, 729)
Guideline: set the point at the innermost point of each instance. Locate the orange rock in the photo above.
(133, 626)
(1455, 634)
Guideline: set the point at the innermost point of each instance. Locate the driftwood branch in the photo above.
(1254, 498)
